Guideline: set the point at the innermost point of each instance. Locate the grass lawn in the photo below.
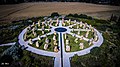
(75, 46)
(42, 42)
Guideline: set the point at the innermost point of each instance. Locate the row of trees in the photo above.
(11, 1)
(111, 2)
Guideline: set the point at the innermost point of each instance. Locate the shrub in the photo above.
(54, 14)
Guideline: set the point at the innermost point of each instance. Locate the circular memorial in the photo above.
(60, 29)
(71, 36)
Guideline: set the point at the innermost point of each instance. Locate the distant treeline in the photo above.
(109, 2)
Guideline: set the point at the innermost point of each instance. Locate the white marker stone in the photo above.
(30, 41)
(55, 49)
(81, 45)
(76, 40)
(67, 48)
(67, 42)
(37, 44)
(45, 46)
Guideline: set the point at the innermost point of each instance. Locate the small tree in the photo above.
(111, 18)
(54, 14)
(119, 19)
(118, 22)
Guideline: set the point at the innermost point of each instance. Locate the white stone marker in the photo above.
(81, 24)
(30, 41)
(96, 38)
(55, 49)
(84, 26)
(35, 34)
(45, 46)
(57, 21)
(81, 45)
(33, 24)
(43, 23)
(47, 40)
(65, 36)
(39, 23)
(43, 32)
(55, 33)
(78, 33)
(37, 44)
(39, 38)
(67, 48)
(63, 24)
(92, 29)
(87, 33)
(76, 40)
(54, 37)
(56, 24)
(33, 30)
(77, 26)
(74, 21)
(69, 21)
(67, 42)
(55, 42)
(25, 36)
(90, 41)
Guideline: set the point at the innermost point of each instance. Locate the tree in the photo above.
(55, 14)
(118, 22)
(111, 18)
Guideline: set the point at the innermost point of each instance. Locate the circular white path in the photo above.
(62, 58)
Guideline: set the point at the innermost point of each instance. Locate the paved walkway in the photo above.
(62, 58)
(8, 44)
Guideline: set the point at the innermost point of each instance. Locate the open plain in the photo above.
(10, 13)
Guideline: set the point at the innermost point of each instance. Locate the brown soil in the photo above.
(9, 13)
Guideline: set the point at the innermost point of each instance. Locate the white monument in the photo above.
(39, 38)
(47, 40)
(81, 45)
(25, 36)
(45, 46)
(55, 49)
(37, 44)
(54, 37)
(35, 34)
(67, 42)
(78, 33)
(90, 41)
(55, 33)
(87, 33)
(67, 48)
(55, 42)
(77, 26)
(65, 36)
(95, 38)
(76, 40)
(81, 24)
(39, 23)
(30, 41)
